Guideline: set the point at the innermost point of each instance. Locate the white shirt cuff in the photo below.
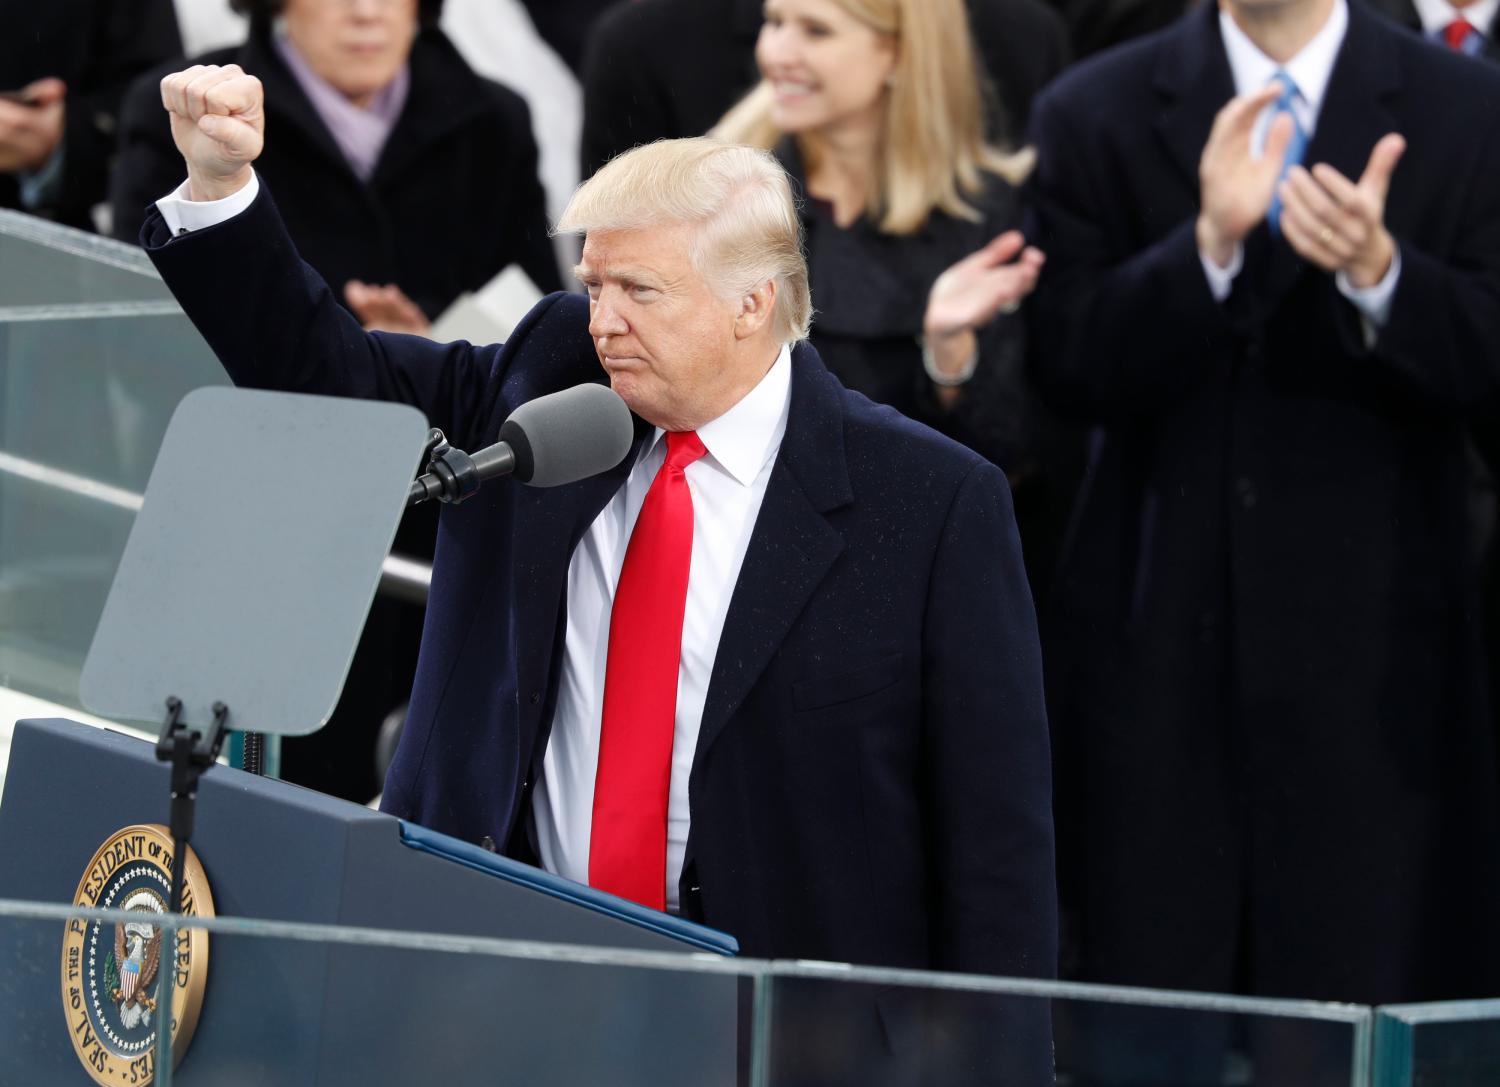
(184, 216)
(1221, 280)
(1373, 303)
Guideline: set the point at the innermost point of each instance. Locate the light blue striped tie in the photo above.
(1294, 149)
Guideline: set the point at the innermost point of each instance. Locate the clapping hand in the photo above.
(1235, 186)
(992, 280)
(384, 308)
(218, 124)
(1339, 224)
(968, 296)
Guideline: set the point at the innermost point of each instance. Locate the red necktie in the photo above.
(1456, 33)
(628, 838)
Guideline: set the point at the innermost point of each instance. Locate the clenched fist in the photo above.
(218, 123)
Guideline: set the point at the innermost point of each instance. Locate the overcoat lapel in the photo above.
(286, 102)
(1194, 81)
(445, 95)
(1356, 110)
(791, 550)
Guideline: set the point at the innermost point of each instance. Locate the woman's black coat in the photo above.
(869, 293)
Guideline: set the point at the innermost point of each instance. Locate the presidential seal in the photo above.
(112, 973)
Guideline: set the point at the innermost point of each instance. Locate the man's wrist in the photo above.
(183, 215)
(205, 187)
(1364, 274)
(1212, 244)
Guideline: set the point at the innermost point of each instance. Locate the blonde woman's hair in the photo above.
(933, 150)
(738, 198)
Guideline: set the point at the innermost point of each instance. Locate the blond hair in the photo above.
(740, 200)
(933, 150)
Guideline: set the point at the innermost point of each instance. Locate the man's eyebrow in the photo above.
(630, 277)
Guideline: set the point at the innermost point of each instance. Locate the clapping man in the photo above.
(1273, 287)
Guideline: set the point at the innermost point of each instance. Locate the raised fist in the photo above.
(218, 123)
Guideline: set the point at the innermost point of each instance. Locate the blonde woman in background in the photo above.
(876, 109)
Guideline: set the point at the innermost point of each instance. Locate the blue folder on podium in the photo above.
(295, 1012)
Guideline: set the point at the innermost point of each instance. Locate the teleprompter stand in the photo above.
(245, 582)
(191, 753)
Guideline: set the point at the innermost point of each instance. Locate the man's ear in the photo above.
(756, 309)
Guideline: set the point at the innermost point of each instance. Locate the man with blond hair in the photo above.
(844, 756)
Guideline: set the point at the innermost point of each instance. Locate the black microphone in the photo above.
(555, 439)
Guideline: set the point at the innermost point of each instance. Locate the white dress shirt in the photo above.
(1437, 14)
(727, 486)
(1310, 70)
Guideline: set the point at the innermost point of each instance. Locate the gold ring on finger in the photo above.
(1326, 236)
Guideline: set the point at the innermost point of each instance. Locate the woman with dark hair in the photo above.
(405, 178)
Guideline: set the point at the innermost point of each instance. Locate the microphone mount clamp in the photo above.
(451, 475)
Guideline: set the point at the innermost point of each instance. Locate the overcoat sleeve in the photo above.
(1114, 332)
(1443, 334)
(274, 324)
(985, 746)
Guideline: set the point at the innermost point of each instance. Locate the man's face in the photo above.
(665, 339)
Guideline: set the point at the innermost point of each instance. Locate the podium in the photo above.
(313, 1012)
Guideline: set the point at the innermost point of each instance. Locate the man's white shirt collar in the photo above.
(1437, 14)
(742, 439)
(1310, 69)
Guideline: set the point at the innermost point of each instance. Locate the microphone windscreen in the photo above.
(567, 436)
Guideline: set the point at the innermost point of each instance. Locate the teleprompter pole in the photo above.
(191, 753)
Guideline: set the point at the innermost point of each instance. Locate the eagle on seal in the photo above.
(138, 951)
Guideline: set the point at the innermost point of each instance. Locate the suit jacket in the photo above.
(454, 197)
(872, 777)
(1264, 659)
(659, 69)
(96, 47)
(1405, 13)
